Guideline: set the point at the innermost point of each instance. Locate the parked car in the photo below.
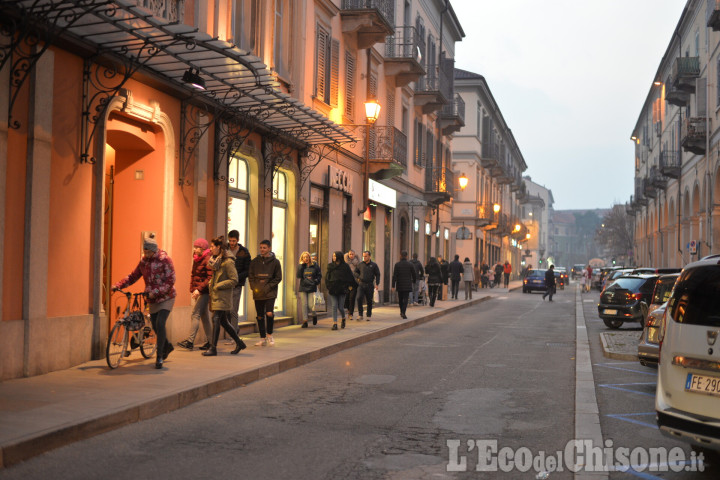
(663, 289)
(687, 400)
(535, 280)
(649, 344)
(626, 300)
(614, 274)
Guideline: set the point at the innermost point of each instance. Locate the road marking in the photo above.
(608, 365)
(624, 417)
(618, 386)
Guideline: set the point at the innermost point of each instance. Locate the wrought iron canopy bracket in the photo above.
(230, 135)
(311, 158)
(194, 124)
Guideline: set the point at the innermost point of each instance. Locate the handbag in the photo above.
(319, 302)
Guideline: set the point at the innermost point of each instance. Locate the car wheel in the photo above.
(525, 290)
(612, 323)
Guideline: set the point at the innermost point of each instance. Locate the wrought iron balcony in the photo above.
(489, 154)
(694, 135)
(439, 185)
(675, 96)
(685, 71)
(402, 56)
(487, 218)
(434, 90)
(670, 163)
(640, 197)
(517, 182)
(371, 20)
(649, 188)
(170, 10)
(630, 207)
(657, 178)
(452, 116)
(384, 147)
(712, 14)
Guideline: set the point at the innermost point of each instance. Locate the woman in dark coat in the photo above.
(339, 281)
(309, 274)
(434, 280)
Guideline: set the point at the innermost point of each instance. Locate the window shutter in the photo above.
(349, 84)
(390, 115)
(334, 72)
(373, 88)
(430, 149)
(700, 96)
(320, 62)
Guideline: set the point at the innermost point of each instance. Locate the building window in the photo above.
(419, 141)
(349, 84)
(327, 59)
(279, 228)
(237, 210)
(245, 26)
(478, 127)
(282, 37)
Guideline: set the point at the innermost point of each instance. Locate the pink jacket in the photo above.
(158, 273)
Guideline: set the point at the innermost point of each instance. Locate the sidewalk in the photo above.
(621, 344)
(41, 413)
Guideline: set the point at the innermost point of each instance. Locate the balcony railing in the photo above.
(440, 180)
(386, 8)
(630, 207)
(685, 71)
(452, 117)
(640, 197)
(712, 14)
(694, 135)
(403, 44)
(489, 154)
(649, 188)
(670, 163)
(371, 20)
(657, 178)
(170, 10)
(386, 144)
(435, 88)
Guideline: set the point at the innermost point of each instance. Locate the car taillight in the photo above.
(636, 296)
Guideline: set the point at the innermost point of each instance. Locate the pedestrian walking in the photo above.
(549, 282)
(241, 257)
(468, 277)
(434, 279)
(309, 276)
(588, 278)
(367, 274)
(265, 274)
(402, 279)
(498, 274)
(158, 272)
(484, 268)
(445, 272)
(420, 271)
(491, 278)
(477, 273)
(222, 283)
(200, 275)
(353, 261)
(339, 280)
(507, 269)
(456, 269)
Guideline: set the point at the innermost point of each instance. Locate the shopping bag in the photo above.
(376, 297)
(319, 302)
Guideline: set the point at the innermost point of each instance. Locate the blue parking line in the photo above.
(618, 386)
(623, 417)
(660, 466)
(610, 365)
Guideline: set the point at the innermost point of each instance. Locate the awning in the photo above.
(238, 83)
(411, 201)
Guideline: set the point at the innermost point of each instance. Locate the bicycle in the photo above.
(132, 329)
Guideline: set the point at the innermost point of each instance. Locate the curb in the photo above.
(34, 445)
(609, 353)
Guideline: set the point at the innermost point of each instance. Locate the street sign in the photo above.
(692, 246)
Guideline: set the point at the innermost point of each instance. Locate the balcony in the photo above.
(657, 179)
(402, 56)
(489, 154)
(640, 198)
(712, 14)
(387, 152)
(533, 200)
(649, 188)
(170, 10)
(371, 20)
(694, 135)
(685, 72)
(452, 116)
(675, 96)
(434, 90)
(487, 218)
(439, 185)
(630, 207)
(670, 163)
(517, 182)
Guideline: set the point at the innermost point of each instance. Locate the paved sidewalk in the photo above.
(621, 344)
(48, 411)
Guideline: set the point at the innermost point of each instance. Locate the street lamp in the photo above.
(496, 207)
(372, 112)
(527, 236)
(517, 227)
(463, 181)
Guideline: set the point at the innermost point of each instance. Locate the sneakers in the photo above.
(261, 343)
(314, 319)
(334, 327)
(342, 324)
(368, 319)
(271, 340)
(359, 319)
(304, 325)
(185, 344)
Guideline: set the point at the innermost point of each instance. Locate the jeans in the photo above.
(434, 289)
(307, 299)
(506, 278)
(200, 313)
(468, 290)
(414, 293)
(158, 321)
(455, 286)
(336, 303)
(237, 293)
(403, 301)
(365, 292)
(264, 309)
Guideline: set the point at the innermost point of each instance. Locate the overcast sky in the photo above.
(570, 78)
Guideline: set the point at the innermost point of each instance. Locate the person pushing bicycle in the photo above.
(157, 270)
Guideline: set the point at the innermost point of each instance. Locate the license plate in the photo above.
(702, 384)
(610, 311)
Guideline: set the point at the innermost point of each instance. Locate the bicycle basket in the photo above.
(135, 321)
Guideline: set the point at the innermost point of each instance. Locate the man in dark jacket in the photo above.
(420, 275)
(242, 263)
(402, 279)
(549, 282)
(265, 274)
(444, 272)
(367, 274)
(456, 268)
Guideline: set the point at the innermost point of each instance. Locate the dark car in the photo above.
(535, 280)
(627, 300)
(649, 345)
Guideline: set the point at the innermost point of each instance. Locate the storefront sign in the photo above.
(339, 179)
(380, 193)
(317, 197)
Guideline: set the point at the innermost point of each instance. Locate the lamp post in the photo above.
(463, 181)
(372, 112)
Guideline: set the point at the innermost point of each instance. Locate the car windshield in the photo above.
(696, 297)
(537, 273)
(628, 283)
(663, 289)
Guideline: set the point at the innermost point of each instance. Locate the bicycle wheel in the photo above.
(148, 341)
(116, 345)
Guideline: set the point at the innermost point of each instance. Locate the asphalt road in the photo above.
(410, 406)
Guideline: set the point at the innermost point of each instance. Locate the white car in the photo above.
(687, 401)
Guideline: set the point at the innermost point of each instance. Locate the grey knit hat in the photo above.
(150, 244)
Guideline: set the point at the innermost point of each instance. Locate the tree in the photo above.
(617, 232)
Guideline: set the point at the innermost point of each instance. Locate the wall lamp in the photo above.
(194, 78)
(463, 181)
(496, 207)
(372, 111)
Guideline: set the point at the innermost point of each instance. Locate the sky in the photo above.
(570, 78)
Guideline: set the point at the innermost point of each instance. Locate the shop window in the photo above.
(237, 210)
(279, 230)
